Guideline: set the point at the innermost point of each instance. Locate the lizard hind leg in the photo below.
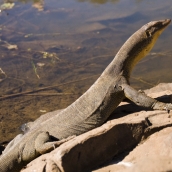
(12, 143)
(44, 143)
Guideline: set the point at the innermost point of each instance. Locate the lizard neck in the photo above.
(134, 49)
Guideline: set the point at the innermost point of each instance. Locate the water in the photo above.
(55, 50)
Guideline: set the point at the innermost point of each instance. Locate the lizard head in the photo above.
(148, 34)
(152, 31)
(140, 44)
(155, 28)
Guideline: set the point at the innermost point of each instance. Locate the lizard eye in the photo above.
(148, 34)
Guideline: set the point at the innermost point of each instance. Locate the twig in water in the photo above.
(49, 94)
(35, 69)
(44, 88)
(141, 80)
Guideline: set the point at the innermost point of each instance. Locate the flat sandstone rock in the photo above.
(153, 155)
(132, 126)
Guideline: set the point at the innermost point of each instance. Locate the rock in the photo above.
(162, 90)
(153, 155)
(100, 145)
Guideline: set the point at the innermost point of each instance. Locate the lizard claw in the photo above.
(141, 91)
(168, 107)
(168, 110)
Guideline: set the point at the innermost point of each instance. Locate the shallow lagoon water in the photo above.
(55, 50)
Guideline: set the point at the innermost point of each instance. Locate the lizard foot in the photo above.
(58, 143)
(43, 143)
(168, 107)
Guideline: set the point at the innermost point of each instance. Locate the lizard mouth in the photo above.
(161, 24)
(156, 27)
(166, 22)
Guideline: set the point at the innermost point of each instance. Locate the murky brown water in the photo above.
(54, 50)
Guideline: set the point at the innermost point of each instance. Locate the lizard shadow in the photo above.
(127, 107)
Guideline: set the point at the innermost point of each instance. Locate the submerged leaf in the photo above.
(40, 64)
(12, 47)
(7, 6)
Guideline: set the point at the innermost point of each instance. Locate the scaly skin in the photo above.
(93, 108)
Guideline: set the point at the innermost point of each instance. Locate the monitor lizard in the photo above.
(93, 108)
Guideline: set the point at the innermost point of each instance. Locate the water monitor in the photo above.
(93, 108)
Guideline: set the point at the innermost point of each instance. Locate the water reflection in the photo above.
(99, 1)
(8, 4)
(23, 1)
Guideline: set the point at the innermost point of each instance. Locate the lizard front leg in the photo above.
(43, 143)
(142, 99)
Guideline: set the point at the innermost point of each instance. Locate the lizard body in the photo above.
(93, 108)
